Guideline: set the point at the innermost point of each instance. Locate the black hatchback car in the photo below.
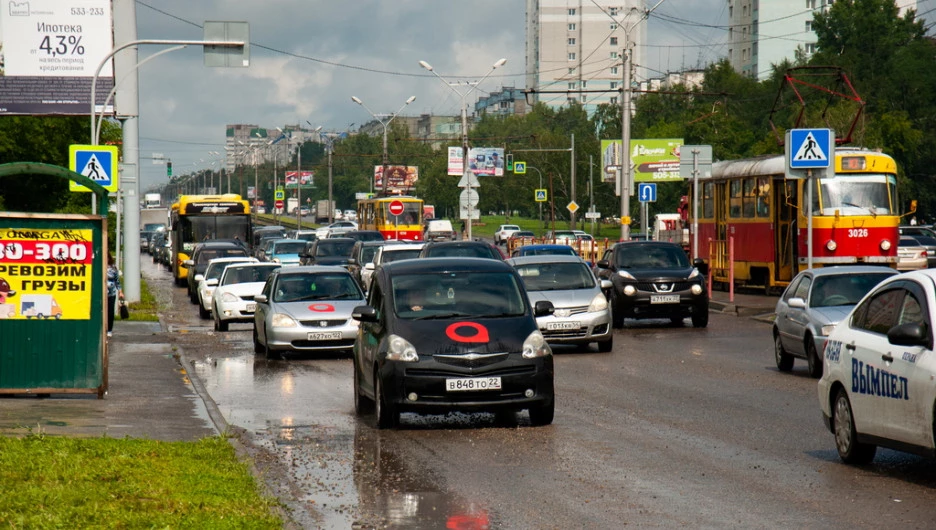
(331, 251)
(205, 252)
(447, 335)
(460, 249)
(654, 279)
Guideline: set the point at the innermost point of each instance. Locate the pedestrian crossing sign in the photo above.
(97, 162)
(811, 148)
(539, 194)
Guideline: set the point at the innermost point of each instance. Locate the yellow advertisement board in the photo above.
(45, 273)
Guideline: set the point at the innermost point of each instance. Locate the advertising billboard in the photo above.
(50, 52)
(653, 160)
(486, 161)
(398, 177)
(455, 161)
(308, 180)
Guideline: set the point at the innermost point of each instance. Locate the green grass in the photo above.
(145, 309)
(53, 482)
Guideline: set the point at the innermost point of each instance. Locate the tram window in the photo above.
(749, 197)
(734, 201)
(763, 194)
(708, 200)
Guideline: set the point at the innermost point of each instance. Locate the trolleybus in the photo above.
(751, 212)
(395, 216)
(196, 218)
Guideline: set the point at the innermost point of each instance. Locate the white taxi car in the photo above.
(233, 299)
(879, 366)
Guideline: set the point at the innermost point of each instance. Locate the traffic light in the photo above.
(168, 169)
(509, 158)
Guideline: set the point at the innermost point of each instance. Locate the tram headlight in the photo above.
(885, 244)
(831, 245)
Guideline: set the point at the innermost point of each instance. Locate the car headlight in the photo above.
(535, 346)
(696, 289)
(827, 329)
(630, 290)
(598, 303)
(625, 274)
(401, 350)
(694, 274)
(229, 297)
(282, 320)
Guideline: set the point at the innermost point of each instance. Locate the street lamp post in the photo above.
(464, 119)
(386, 156)
(329, 139)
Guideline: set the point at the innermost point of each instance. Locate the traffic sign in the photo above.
(539, 195)
(647, 191)
(592, 215)
(467, 196)
(395, 208)
(519, 168)
(572, 207)
(810, 148)
(97, 162)
(278, 204)
(279, 195)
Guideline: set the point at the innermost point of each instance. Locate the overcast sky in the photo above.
(307, 58)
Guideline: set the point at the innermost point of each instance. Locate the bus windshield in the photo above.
(869, 194)
(197, 229)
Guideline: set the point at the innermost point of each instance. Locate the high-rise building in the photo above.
(574, 49)
(763, 33)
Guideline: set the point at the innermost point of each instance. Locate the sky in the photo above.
(307, 58)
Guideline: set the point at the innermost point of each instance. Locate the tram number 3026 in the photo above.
(857, 232)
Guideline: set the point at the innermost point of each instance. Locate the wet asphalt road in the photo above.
(677, 427)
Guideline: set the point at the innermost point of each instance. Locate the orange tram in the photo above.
(750, 211)
(395, 216)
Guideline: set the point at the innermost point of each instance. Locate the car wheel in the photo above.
(542, 414)
(784, 359)
(193, 297)
(219, 325)
(850, 450)
(605, 346)
(203, 313)
(258, 348)
(387, 416)
(617, 314)
(362, 404)
(812, 358)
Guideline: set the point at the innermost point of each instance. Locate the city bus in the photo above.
(376, 214)
(196, 218)
(750, 211)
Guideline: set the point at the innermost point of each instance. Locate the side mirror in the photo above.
(908, 335)
(606, 284)
(210, 283)
(364, 313)
(260, 298)
(700, 264)
(370, 266)
(199, 277)
(188, 263)
(797, 303)
(543, 308)
(603, 264)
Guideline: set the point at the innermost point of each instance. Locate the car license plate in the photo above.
(664, 299)
(474, 383)
(325, 335)
(562, 325)
(251, 308)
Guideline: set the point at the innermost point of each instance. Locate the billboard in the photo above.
(50, 52)
(653, 160)
(486, 161)
(455, 166)
(398, 177)
(308, 180)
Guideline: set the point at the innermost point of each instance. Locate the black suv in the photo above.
(460, 249)
(329, 251)
(362, 254)
(205, 252)
(654, 279)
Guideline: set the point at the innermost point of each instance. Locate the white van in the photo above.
(440, 230)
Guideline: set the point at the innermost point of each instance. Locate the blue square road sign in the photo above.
(97, 162)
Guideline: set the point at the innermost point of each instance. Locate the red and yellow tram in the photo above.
(376, 214)
(750, 211)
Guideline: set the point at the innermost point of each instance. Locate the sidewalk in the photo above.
(150, 396)
(758, 306)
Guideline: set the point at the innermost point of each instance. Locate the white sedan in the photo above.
(205, 283)
(332, 230)
(879, 366)
(234, 296)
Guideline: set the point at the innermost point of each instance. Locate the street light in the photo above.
(386, 157)
(329, 139)
(464, 117)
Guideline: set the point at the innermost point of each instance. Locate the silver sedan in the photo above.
(582, 314)
(306, 309)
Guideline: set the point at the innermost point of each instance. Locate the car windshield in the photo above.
(312, 287)
(557, 251)
(847, 289)
(367, 253)
(334, 248)
(310, 236)
(460, 251)
(457, 295)
(247, 274)
(397, 255)
(556, 276)
(290, 247)
(651, 257)
(215, 269)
